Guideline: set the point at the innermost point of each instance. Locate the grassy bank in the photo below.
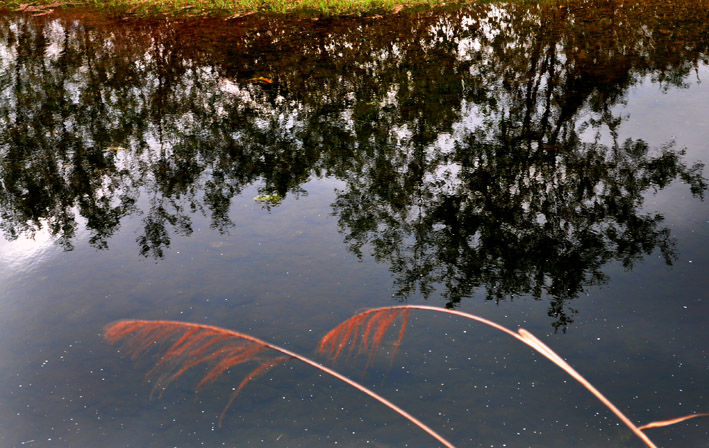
(227, 8)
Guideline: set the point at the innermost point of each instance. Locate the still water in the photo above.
(538, 166)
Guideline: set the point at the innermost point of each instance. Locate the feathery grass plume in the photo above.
(379, 320)
(197, 344)
(350, 332)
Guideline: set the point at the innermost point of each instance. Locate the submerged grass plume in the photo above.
(221, 349)
(191, 345)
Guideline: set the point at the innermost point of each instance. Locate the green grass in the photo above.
(229, 8)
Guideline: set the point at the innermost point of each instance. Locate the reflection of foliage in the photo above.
(530, 221)
(521, 204)
(95, 115)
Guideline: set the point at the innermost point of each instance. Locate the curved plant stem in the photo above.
(670, 422)
(202, 343)
(350, 330)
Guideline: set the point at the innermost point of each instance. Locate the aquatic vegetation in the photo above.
(273, 198)
(192, 344)
(222, 349)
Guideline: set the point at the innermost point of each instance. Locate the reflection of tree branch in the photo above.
(546, 230)
(155, 237)
(458, 135)
(534, 211)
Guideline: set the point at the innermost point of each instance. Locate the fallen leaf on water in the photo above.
(261, 80)
(272, 198)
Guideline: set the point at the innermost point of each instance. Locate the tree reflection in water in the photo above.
(479, 147)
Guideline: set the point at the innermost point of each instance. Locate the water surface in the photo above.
(540, 166)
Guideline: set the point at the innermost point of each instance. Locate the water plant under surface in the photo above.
(191, 345)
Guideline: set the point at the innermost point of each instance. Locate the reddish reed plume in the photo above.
(367, 329)
(191, 345)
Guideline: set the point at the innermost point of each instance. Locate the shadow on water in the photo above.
(478, 147)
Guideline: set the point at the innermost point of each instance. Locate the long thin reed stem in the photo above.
(197, 344)
(671, 421)
(348, 331)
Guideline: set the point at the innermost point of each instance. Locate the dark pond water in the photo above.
(538, 166)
